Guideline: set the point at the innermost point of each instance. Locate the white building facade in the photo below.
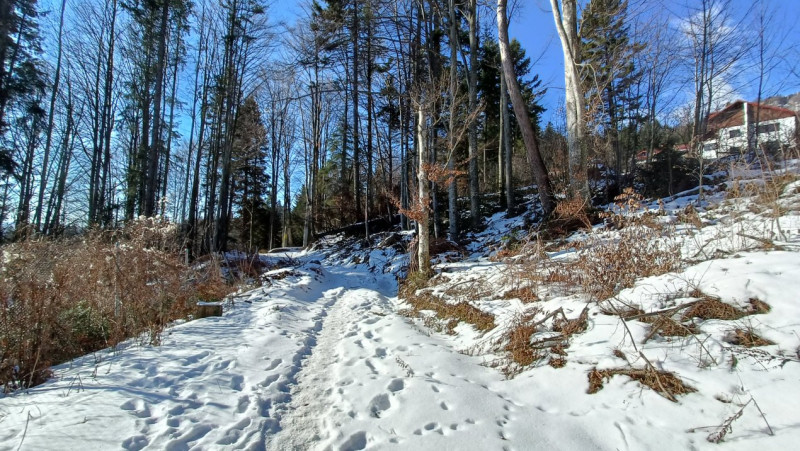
(742, 127)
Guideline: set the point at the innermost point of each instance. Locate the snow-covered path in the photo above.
(322, 360)
(319, 360)
(216, 382)
(376, 380)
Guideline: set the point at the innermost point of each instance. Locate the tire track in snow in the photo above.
(299, 428)
(320, 403)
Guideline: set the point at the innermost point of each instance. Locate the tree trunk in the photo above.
(528, 135)
(452, 194)
(505, 145)
(474, 191)
(423, 225)
(50, 120)
(356, 119)
(154, 154)
(567, 27)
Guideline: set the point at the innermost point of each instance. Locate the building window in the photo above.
(710, 146)
(734, 133)
(735, 149)
(767, 128)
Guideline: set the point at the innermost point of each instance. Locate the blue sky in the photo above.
(532, 24)
(534, 27)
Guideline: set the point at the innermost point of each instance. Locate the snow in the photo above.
(320, 358)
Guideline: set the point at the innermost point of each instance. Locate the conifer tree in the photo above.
(608, 53)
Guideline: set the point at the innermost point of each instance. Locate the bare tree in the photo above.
(566, 19)
(528, 135)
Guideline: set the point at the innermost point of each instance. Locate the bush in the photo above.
(63, 299)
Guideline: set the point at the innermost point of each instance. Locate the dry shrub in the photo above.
(558, 349)
(524, 294)
(523, 350)
(468, 290)
(747, 337)
(559, 275)
(668, 327)
(64, 299)
(569, 327)
(518, 343)
(611, 266)
(568, 216)
(557, 362)
(414, 291)
(712, 308)
(244, 266)
(758, 307)
(690, 216)
(664, 383)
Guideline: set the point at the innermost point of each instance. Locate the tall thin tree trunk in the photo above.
(452, 194)
(474, 191)
(520, 110)
(356, 119)
(156, 148)
(567, 27)
(423, 233)
(505, 145)
(37, 218)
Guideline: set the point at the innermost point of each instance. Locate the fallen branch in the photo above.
(667, 393)
(769, 243)
(665, 311)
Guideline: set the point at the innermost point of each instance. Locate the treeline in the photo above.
(252, 134)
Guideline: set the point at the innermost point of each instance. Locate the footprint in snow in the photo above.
(243, 404)
(135, 443)
(396, 385)
(355, 442)
(379, 404)
(237, 382)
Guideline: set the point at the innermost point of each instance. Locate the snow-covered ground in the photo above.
(321, 359)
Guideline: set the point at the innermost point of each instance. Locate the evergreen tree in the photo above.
(250, 181)
(489, 89)
(609, 74)
(21, 78)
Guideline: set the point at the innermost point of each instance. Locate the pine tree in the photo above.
(21, 78)
(249, 178)
(607, 52)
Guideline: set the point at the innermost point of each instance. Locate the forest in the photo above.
(249, 132)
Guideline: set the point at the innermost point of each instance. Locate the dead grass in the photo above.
(568, 216)
(569, 327)
(415, 291)
(668, 327)
(518, 343)
(664, 383)
(557, 362)
(758, 307)
(525, 294)
(524, 350)
(609, 266)
(711, 308)
(747, 337)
